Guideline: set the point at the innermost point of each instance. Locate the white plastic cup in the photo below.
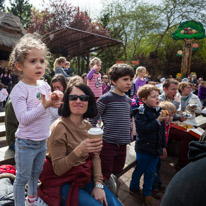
(95, 132)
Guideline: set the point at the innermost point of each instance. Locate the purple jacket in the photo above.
(105, 88)
(139, 83)
(202, 92)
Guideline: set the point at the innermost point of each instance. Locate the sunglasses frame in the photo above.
(74, 97)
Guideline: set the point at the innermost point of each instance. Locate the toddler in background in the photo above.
(140, 80)
(3, 96)
(94, 77)
(157, 184)
(31, 99)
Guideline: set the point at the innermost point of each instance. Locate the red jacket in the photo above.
(50, 189)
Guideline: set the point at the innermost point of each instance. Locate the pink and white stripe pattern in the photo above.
(34, 120)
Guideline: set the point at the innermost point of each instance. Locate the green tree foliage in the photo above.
(22, 9)
(132, 22)
(2, 5)
(189, 30)
(111, 54)
(146, 30)
(172, 12)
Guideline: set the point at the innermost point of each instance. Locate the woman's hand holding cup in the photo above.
(92, 144)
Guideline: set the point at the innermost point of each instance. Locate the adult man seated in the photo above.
(170, 88)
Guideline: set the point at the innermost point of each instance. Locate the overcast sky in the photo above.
(92, 6)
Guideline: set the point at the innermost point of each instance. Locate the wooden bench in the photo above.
(2, 130)
(6, 156)
(2, 116)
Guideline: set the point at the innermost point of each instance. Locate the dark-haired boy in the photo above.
(114, 108)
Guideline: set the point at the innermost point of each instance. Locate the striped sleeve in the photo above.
(115, 113)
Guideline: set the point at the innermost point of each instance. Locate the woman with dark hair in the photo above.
(72, 170)
(6, 78)
(58, 83)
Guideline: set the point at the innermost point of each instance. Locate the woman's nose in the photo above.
(78, 100)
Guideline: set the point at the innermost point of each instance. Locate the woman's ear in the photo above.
(19, 66)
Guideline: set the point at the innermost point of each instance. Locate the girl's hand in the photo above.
(51, 103)
(95, 67)
(88, 146)
(57, 95)
(99, 195)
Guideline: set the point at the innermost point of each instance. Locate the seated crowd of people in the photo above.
(47, 127)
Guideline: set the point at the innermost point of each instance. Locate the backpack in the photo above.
(6, 189)
(7, 177)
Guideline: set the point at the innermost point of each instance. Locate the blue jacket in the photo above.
(150, 133)
(60, 70)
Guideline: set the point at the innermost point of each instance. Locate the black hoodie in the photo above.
(188, 186)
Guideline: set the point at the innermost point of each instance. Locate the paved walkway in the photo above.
(167, 172)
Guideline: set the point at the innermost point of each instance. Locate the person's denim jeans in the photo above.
(157, 179)
(146, 164)
(85, 198)
(29, 158)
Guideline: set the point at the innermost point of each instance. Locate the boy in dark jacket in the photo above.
(150, 141)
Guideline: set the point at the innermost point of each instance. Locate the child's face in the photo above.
(152, 100)
(171, 115)
(33, 67)
(142, 74)
(123, 84)
(97, 66)
(66, 66)
(57, 86)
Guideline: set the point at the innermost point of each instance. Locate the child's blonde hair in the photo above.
(94, 61)
(169, 106)
(58, 61)
(24, 46)
(145, 91)
(74, 79)
(140, 69)
(203, 83)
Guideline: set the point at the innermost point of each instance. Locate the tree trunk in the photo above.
(187, 56)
